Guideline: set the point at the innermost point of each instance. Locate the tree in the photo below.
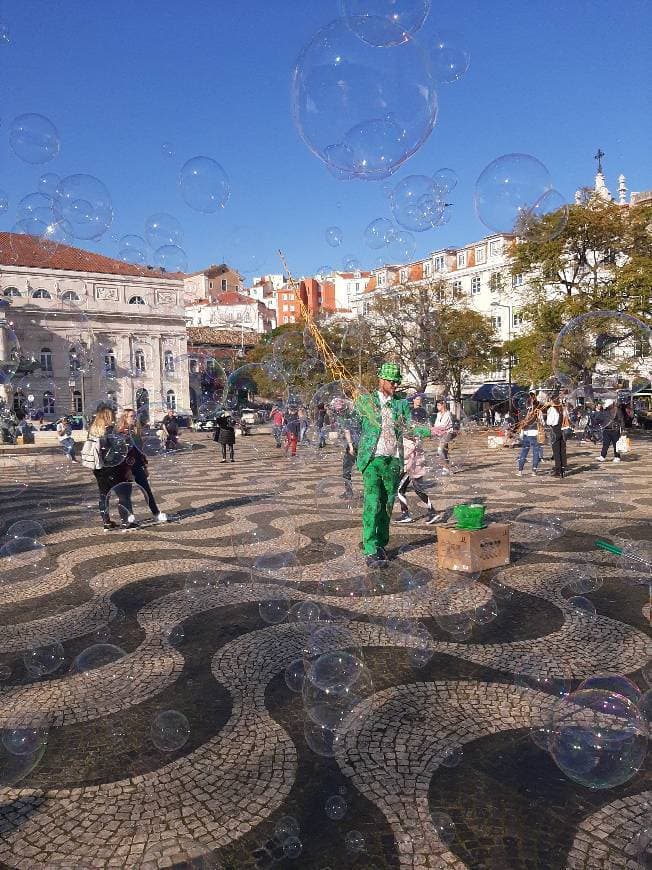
(600, 257)
(436, 338)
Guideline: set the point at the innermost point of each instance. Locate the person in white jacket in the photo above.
(443, 430)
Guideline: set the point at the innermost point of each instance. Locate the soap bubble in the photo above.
(601, 344)
(171, 258)
(416, 203)
(508, 188)
(170, 731)
(449, 55)
(542, 676)
(385, 22)
(175, 853)
(599, 738)
(457, 348)
(445, 180)
(4, 202)
(84, 204)
(452, 756)
(402, 246)
(355, 841)
(25, 739)
(350, 263)
(24, 555)
(5, 35)
(292, 847)
(287, 826)
(645, 706)
(444, 826)
(616, 684)
(335, 670)
(99, 655)
(274, 610)
(376, 233)
(295, 674)
(132, 249)
(204, 184)
(335, 807)
(333, 706)
(25, 529)
(48, 184)
(163, 229)
(44, 659)
(334, 236)
(361, 109)
(546, 219)
(34, 138)
(582, 606)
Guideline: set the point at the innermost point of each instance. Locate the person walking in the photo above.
(106, 454)
(554, 420)
(277, 421)
(321, 422)
(383, 420)
(224, 435)
(171, 429)
(292, 433)
(64, 435)
(414, 469)
(303, 426)
(443, 429)
(129, 426)
(612, 422)
(531, 428)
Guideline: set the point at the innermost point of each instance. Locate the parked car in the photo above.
(249, 415)
(204, 424)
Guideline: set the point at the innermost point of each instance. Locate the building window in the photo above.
(457, 288)
(171, 400)
(48, 403)
(440, 263)
(497, 321)
(381, 279)
(20, 402)
(461, 259)
(365, 308)
(11, 291)
(517, 281)
(69, 296)
(210, 285)
(73, 360)
(223, 284)
(136, 300)
(168, 361)
(194, 367)
(480, 256)
(77, 405)
(46, 359)
(403, 276)
(475, 284)
(496, 282)
(357, 286)
(517, 318)
(109, 361)
(139, 361)
(496, 247)
(427, 270)
(41, 294)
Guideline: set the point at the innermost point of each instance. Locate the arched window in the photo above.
(46, 359)
(139, 361)
(194, 366)
(168, 361)
(111, 400)
(77, 402)
(41, 294)
(74, 361)
(136, 300)
(171, 400)
(11, 291)
(109, 361)
(48, 403)
(69, 296)
(20, 402)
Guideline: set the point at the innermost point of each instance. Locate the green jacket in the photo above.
(367, 409)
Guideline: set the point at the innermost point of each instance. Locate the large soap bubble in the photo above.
(34, 138)
(99, 655)
(546, 219)
(361, 109)
(594, 350)
(44, 659)
(334, 236)
(376, 234)
(385, 22)
(416, 203)
(508, 188)
(171, 258)
(84, 204)
(599, 738)
(132, 249)
(450, 56)
(162, 229)
(204, 184)
(170, 730)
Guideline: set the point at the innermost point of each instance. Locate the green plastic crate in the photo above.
(469, 516)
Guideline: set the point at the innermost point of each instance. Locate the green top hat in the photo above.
(390, 371)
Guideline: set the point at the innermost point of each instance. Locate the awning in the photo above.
(485, 392)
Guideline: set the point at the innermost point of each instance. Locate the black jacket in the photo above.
(225, 432)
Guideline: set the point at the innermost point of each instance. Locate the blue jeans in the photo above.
(529, 441)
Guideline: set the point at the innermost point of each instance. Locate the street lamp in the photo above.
(509, 352)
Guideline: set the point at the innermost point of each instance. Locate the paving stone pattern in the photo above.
(268, 534)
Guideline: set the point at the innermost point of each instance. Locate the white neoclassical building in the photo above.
(89, 329)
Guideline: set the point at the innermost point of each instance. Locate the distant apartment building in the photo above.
(209, 283)
(232, 310)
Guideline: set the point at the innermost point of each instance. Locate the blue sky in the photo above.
(551, 78)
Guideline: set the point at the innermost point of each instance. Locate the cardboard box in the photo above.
(461, 550)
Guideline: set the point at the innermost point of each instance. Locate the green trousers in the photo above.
(380, 481)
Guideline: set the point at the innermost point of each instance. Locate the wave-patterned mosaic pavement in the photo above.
(99, 793)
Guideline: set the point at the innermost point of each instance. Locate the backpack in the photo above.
(91, 456)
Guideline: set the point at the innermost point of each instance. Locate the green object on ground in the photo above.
(469, 516)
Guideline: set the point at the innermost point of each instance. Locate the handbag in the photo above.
(623, 445)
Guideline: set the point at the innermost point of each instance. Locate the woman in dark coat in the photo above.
(225, 435)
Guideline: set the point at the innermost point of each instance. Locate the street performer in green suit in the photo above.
(383, 419)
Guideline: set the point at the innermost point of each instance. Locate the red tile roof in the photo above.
(232, 297)
(17, 249)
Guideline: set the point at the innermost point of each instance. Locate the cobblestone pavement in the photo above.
(259, 568)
